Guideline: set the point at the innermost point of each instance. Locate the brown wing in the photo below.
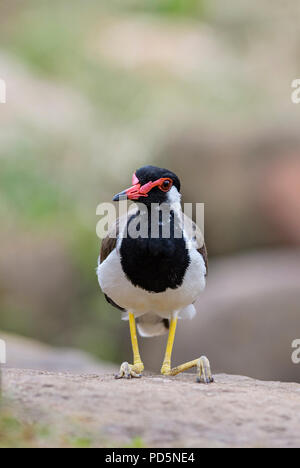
(107, 246)
(110, 241)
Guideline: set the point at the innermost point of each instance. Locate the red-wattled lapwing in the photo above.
(154, 278)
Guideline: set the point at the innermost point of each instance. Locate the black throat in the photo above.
(155, 263)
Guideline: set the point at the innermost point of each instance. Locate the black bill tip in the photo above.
(120, 196)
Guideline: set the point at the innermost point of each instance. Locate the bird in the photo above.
(153, 267)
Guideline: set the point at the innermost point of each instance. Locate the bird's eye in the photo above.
(166, 185)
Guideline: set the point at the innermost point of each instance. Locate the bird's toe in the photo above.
(204, 371)
(128, 371)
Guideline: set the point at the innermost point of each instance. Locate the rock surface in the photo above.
(160, 411)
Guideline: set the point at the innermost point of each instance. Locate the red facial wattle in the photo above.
(133, 193)
(135, 180)
(137, 190)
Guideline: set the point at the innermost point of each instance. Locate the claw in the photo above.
(204, 372)
(127, 371)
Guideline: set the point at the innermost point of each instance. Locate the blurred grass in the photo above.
(181, 8)
(17, 430)
(27, 191)
(15, 433)
(59, 48)
(137, 442)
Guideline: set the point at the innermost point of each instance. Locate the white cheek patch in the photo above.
(174, 197)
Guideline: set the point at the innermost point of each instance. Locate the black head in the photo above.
(152, 185)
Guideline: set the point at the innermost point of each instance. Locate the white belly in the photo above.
(115, 284)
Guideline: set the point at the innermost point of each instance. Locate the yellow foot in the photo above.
(166, 369)
(203, 370)
(128, 371)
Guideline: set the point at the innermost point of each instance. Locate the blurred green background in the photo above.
(96, 89)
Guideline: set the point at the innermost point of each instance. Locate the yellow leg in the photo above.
(135, 369)
(202, 364)
(166, 367)
(137, 361)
